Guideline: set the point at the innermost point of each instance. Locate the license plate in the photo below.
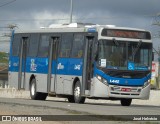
(126, 89)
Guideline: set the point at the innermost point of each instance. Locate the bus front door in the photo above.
(52, 65)
(22, 63)
(88, 64)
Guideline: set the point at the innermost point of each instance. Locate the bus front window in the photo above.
(112, 54)
(117, 54)
(141, 55)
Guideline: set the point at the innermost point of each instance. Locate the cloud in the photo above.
(45, 18)
(29, 14)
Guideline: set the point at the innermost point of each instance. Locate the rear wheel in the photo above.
(33, 92)
(126, 102)
(77, 93)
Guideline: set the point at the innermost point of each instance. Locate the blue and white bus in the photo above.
(78, 61)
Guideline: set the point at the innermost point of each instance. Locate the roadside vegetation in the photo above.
(3, 60)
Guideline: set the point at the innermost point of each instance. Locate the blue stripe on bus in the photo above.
(64, 66)
(69, 66)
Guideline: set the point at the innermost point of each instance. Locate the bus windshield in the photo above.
(114, 54)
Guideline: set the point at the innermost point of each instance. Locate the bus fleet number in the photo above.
(114, 81)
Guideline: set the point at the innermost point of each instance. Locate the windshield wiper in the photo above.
(116, 42)
(136, 49)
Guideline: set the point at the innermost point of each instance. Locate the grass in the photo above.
(3, 58)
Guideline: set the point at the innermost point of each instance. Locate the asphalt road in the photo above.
(13, 106)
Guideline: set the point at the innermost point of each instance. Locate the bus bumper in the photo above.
(101, 90)
(134, 92)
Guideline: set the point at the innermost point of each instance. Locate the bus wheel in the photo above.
(77, 93)
(33, 92)
(126, 102)
(71, 99)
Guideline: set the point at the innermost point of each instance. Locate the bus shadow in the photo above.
(132, 105)
(106, 104)
(102, 104)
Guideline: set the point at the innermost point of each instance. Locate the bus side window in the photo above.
(78, 46)
(44, 46)
(16, 45)
(66, 43)
(33, 45)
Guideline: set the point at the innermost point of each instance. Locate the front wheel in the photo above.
(71, 99)
(126, 102)
(33, 92)
(77, 93)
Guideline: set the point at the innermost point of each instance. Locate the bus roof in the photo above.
(58, 30)
(75, 27)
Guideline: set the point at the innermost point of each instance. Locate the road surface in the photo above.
(92, 111)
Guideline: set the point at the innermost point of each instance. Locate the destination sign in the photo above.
(126, 34)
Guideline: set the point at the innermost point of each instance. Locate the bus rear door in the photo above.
(52, 65)
(22, 62)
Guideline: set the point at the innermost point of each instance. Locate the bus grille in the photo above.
(121, 90)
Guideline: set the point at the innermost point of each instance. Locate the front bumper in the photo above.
(134, 93)
(98, 89)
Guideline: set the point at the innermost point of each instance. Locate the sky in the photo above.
(33, 14)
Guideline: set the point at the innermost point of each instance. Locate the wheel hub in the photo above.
(77, 91)
(33, 89)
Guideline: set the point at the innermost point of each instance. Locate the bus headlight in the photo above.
(102, 80)
(99, 78)
(146, 83)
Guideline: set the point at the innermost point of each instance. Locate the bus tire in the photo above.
(126, 102)
(77, 93)
(71, 99)
(33, 91)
